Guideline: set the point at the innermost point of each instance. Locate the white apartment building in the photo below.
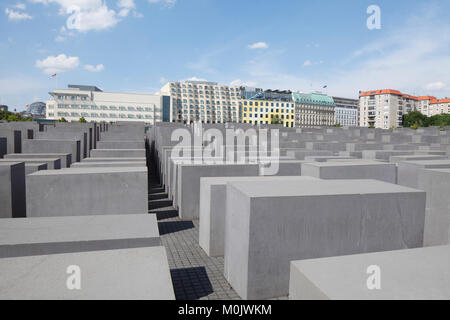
(439, 107)
(346, 111)
(208, 102)
(385, 108)
(93, 104)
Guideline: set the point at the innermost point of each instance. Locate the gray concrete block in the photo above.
(386, 172)
(269, 224)
(301, 154)
(133, 144)
(33, 167)
(52, 163)
(53, 235)
(213, 204)
(327, 158)
(66, 158)
(12, 190)
(397, 159)
(105, 164)
(189, 183)
(436, 183)
(54, 146)
(117, 153)
(119, 159)
(408, 171)
(124, 274)
(3, 147)
(412, 274)
(87, 191)
(383, 154)
(285, 167)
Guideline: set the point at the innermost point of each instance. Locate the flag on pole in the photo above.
(325, 86)
(53, 76)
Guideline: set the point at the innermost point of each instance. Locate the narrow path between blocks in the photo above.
(194, 274)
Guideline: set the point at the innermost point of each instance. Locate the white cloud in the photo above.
(60, 38)
(435, 86)
(309, 63)
(86, 15)
(17, 16)
(241, 83)
(195, 79)
(97, 68)
(127, 6)
(58, 64)
(258, 45)
(20, 6)
(166, 3)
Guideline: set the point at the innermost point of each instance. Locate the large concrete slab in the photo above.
(124, 274)
(436, 183)
(52, 163)
(408, 171)
(355, 169)
(269, 224)
(87, 191)
(213, 209)
(66, 158)
(397, 159)
(189, 183)
(117, 153)
(133, 144)
(412, 274)
(105, 164)
(111, 159)
(52, 235)
(54, 146)
(12, 190)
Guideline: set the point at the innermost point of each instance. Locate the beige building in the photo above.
(208, 102)
(313, 109)
(93, 104)
(439, 106)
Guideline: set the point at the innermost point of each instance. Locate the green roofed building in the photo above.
(313, 109)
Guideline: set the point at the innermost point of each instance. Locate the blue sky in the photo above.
(137, 45)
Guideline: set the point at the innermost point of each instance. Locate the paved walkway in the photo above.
(194, 274)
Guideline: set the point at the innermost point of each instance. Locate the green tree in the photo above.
(415, 117)
(82, 120)
(62, 120)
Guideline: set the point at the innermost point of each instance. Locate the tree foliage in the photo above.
(416, 119)
(11, 116)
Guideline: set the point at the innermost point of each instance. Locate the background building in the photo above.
(346, 111)
(267, 107)
(93, 104)
(313, 109)
(3, 108)
(439, 107)
(385, 108)
(37, 110)
(208, 102)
